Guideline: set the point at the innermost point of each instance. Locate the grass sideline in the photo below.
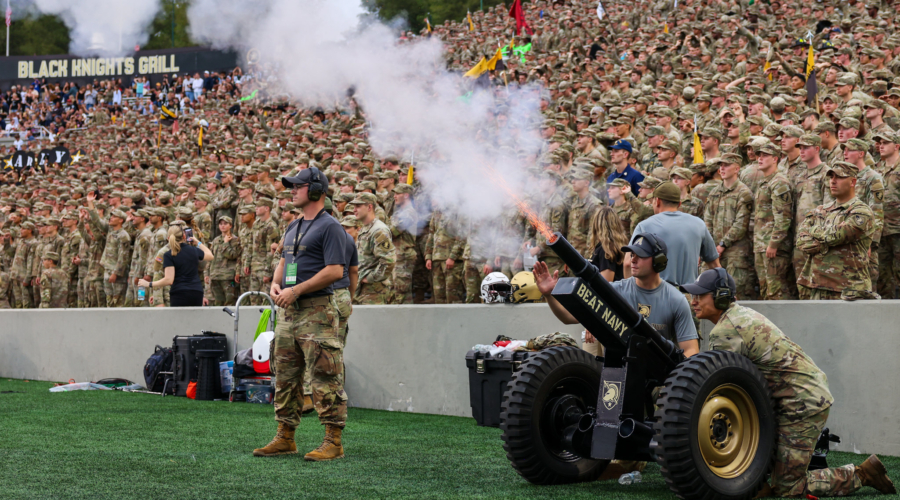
(104, 444)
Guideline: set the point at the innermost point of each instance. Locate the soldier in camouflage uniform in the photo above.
(403, 224)
(247, 217)
(6, 293)
(624, 203)
(54, 282)
(889, 248)
(22, 265)
(581, 209)
(226, 248)
(202, 217)
(69, 255)
(555, 213)
(52, 241)
(139, 254)
(836, 240)
(727, 216)
(808, 189)
(376, 253)
(115, 259)
(442, 252)
(690, 204)
(260, 245)
(224, 202)
(772, 224)
(802, 397)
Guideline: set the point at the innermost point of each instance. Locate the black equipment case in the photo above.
(488, 378)
(186, 364)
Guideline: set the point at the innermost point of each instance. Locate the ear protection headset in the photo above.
(722, 296)
(660, 261)
(316, 188)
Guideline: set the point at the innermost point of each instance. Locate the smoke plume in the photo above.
(318, 49)
(103, 27)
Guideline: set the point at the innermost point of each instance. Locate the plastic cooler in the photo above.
(488, 380)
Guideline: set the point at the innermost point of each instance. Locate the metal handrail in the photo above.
(237, 311)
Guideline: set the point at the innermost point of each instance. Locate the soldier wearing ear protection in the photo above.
(799, 388)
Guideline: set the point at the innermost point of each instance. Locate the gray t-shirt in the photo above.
(664, 307)
(321, 242)
(686, 238)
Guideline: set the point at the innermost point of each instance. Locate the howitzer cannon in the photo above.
(566, 414)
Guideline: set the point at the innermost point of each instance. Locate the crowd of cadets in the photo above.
(622, 97)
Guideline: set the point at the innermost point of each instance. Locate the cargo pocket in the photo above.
(330, 361)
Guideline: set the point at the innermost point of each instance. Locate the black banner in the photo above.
(22, 70)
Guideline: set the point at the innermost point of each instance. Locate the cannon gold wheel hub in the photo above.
(728, 431)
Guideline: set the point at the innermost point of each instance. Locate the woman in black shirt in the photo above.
(607, 239)
(181, 267)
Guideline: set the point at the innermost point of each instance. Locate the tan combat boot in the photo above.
(308, 406)
(873, 473)
(330, 448)
(282, 444)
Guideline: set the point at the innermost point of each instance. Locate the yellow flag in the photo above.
(810, 61)
(766, 67)
(479, 68)
(492, 63)
(698, 150)
(200, 142)
(427, 25)
(471, 24)
(666, 28)
(409, 175)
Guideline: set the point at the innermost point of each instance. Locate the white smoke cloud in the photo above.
(102, 27)
(318, 49)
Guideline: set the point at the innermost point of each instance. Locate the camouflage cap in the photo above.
(848, 122)
(350, 221)
(581, 174)
(247, 209)
(655, 131)
(846, 79)
(682, 172)
(731, 158)
(810, 140)
(225, 218)
(619, 183)
(265, 202)
(825, 126)
(51, 255)
(650, 183)
(403, 189)
(843, 169)
(887, 135)
(184, 212)
(769, 148)
(365, 199)
(118, 213)
(792, 131)
(856, 145)
(772, 130)
(671, 144)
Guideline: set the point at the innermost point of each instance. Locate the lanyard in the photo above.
(299, 236)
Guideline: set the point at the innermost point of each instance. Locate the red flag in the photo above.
(8, 16)
(516, 12)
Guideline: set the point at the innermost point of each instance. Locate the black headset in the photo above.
(722, 296)
(316, 187)
(660, 261)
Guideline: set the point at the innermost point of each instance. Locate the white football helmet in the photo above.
(495, 288)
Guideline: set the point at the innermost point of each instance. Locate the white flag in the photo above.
(600, 10)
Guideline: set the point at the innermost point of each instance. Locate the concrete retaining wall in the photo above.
(410, 358)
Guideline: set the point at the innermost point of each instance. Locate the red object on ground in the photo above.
(192, 390)
(502, 343)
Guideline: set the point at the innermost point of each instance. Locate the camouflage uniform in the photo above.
(802, 401)
(69, 251)
(139, 255)
(257, 256)
(809, 188)
(475, 256)
(727, 216)
(889, 247)
(772, 224)
(21, 272)
(448, 283)
(870, 190)
(160, 295)
(54, 288)
(403, 227)
(224, 202)
(578, 230)
(223, 269)
(115, 260)
(836, 240)
(556, 214)
(376, 264)
(307, 335)
(46, 244)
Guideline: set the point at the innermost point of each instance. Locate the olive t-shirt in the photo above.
(309, 246)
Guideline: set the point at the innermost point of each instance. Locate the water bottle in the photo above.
(630, 478)
(142, 293)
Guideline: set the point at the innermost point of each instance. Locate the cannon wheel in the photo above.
(556, 380)
(715, 428)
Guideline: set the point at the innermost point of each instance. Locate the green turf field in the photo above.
(105, 444)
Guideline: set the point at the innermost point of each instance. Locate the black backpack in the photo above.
(160, 361)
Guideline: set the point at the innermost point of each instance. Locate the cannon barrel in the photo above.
(637, 324)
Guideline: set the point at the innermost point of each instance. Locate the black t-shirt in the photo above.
(186, 265)
(321, 242)
(352, 260)
(603, 264)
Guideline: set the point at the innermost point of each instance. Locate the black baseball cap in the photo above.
(304, 177)
(706, 283)
(642, 246)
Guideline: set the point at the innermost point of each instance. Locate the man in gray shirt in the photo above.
(661, 304)
(686, 236)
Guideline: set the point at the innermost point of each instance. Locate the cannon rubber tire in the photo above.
(697, 382)
(521, 415)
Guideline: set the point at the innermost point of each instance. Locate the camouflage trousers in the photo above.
(131, 295)
(738, 266)
(24, 296)
(223, 292)
(448, 283)
(422, 277)
(115, 292)
(888, 266)
(377, 293)
(795, 446)
(74, 298)
(96, 293)
(306, 341)
(807, 293)
(344, 309)
(472, 275)
(402, 280)
(5, 291)
(256, 284)
(82, 292)
(775, 276)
